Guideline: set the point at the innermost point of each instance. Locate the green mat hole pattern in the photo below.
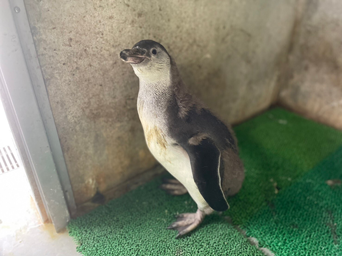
(277, 148)
(307, 218)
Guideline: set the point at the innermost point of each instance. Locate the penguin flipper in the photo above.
(205, 164)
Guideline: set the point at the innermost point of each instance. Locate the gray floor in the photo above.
(21, 232)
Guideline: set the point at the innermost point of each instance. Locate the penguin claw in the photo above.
(173, 187)
(187, 222)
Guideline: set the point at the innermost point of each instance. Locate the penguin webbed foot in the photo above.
(187, 222)
(173, 187)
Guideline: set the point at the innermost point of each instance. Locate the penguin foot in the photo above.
(187, 222)
(173, 187)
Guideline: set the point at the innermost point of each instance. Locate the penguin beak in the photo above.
(133, 56)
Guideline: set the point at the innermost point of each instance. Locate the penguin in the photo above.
(187, 139)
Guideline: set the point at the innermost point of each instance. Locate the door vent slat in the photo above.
(8, 161)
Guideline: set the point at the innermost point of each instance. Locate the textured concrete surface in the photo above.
(229, 53)
(313, 78)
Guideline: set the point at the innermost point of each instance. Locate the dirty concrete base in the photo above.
(21, 231)
(116, 192)
(41, 240)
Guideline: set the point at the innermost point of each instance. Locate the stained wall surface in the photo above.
(313, 84)
(229, 53)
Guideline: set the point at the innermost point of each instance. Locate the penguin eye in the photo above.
(154, 51)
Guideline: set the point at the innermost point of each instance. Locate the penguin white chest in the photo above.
(162, 148)
(165, 150)
(173, 158)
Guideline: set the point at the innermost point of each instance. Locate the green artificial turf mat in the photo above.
(135, 224)
(277, 147)
(306, 219)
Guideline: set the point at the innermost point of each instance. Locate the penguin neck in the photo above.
(156, 88)
(159, 83)
(154, 98)
(154, 95)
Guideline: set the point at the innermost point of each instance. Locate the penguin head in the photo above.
(149, 59)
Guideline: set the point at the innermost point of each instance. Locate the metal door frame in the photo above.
(28, 109)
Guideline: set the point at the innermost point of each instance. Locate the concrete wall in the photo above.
(313, 79)
(230, 54)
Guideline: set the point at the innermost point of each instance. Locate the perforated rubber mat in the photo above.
(290, 203)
